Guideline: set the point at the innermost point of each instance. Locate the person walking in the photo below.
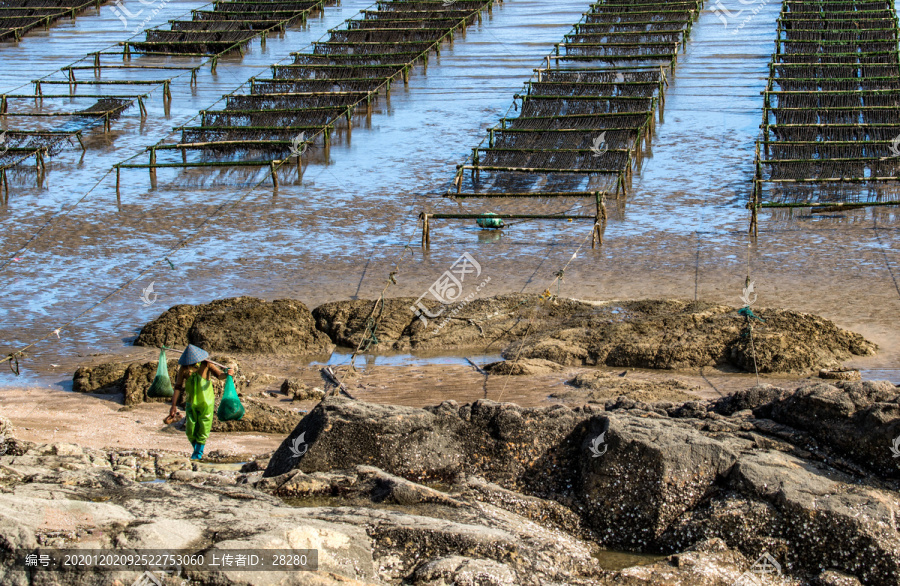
(194, 380)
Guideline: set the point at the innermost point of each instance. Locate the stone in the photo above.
(239, 324)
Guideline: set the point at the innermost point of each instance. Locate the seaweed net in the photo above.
(397, 58)
(579, 139)
(333, 72)
(600, 76)
(832, 105)
(229, 26)
(641, 27)
(443, 22)
(642, 37)
(812, 100)
(36, 13)
(581, 129)
(609, 162)
(631, 89)
(297, 102)
(835, 132)
(337, 48)
(598, 122)
(623, 17)
(420, 35)
(563, 107)
(318, 85)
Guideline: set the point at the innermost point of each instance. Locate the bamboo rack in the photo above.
(32, 21)
(201, 18)
(833, 84)
(578, 127)
(286, 101)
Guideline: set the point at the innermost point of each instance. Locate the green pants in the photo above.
(199, 423)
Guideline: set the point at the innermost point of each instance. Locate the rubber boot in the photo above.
(200, 448)
(194, 455)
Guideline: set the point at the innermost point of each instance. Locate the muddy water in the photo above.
(337, 232)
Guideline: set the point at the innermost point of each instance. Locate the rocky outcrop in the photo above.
(240, 324)
(132, 380)
(103, 378)
(300, 391)
(640, 334)
(648, 477)
(672, 335)
(260, 417)
(858, 420)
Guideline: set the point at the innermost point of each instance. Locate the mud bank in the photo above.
(639, 334)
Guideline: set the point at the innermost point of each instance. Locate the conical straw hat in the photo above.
(192, 355)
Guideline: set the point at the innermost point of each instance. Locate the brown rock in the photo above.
(240, 324)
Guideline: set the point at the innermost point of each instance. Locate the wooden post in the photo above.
(274, 173)
(596, 234)
(4, 194)
(118, 180)
(426, 231)
(4, 105)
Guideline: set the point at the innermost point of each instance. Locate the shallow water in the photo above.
(339, 231)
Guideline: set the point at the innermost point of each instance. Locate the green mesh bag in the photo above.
(230, 408)
(162, 385)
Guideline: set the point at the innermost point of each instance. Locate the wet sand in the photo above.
(43, 414)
